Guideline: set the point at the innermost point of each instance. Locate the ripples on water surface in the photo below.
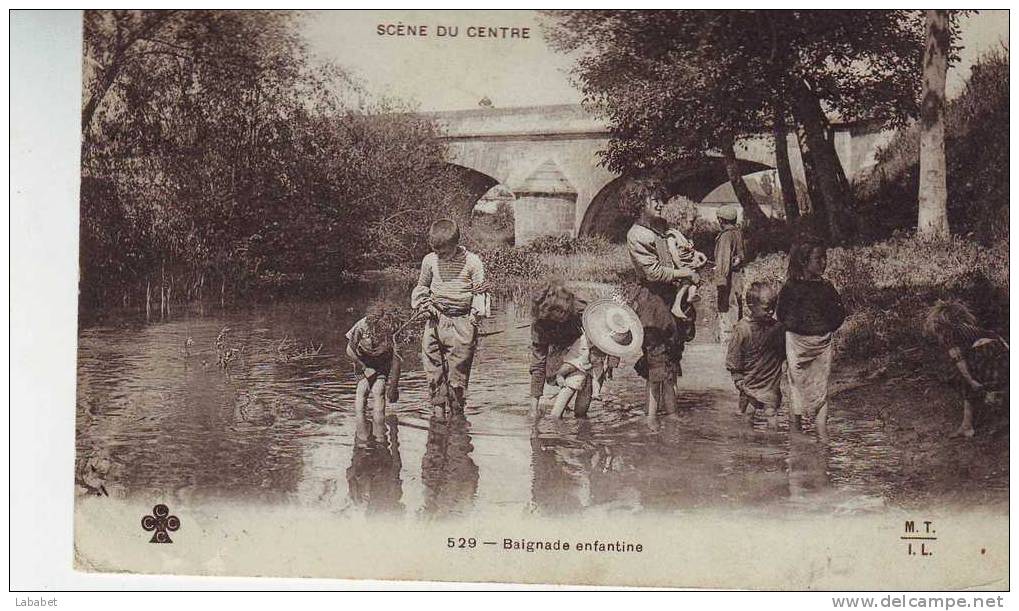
(283, 432)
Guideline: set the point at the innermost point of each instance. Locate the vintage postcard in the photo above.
(685, 298)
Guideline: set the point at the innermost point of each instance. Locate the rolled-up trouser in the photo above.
(447, 352)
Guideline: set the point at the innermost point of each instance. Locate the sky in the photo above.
(452, 73)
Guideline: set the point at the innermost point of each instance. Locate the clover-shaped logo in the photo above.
(162, 522)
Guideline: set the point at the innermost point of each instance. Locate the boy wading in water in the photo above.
(452, 289)
(370, 346)
(756, 353)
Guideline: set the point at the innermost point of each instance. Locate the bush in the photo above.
(504, 264)
(887, 288)
(566, 245)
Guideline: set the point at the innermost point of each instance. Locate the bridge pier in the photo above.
(546, 205)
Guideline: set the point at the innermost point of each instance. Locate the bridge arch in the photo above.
(475, 183)
(691, 179)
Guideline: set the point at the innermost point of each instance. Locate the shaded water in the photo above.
(153, 421)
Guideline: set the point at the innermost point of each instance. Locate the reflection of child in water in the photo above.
(448, 472)
(980, 357)
(373, 478)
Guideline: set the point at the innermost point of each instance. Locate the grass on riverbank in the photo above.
(888, 286)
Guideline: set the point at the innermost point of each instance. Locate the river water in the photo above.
(158, 419)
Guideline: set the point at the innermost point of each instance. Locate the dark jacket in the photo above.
(810, 307)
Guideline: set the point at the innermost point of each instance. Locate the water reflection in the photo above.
(373, 478)
(155, 419)
(561, 468)
(448, 472)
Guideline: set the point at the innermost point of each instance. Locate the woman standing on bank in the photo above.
(657, 278)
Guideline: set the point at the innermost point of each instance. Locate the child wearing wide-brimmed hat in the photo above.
(610, 329)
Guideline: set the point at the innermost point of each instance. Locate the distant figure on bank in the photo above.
(370, 347)
(658, 279)
(756, 353)
(980, 357)
(453, 291)
(562, 355)
(811, 310)
(730, 256)
(684, 255)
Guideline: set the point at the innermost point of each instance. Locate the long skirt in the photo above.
(809, 359)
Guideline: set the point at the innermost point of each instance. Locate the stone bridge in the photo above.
(548, 156)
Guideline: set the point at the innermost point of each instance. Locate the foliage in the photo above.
(566, 245)
(214, 149)
(977, 150)
(675, 83)
(888, 286)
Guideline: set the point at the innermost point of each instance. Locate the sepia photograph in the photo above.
(662, 298)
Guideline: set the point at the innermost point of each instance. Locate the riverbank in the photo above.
(917, 413)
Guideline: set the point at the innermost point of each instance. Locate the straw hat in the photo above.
(613, 328)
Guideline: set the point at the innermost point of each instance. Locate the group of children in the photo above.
(794, 329)
(575, 346)
(789, 330)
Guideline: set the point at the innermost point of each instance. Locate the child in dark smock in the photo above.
(811, 310)
(756, 353)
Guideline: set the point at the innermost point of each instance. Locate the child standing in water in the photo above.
(557, 335)
(756, 353)
(452, 288)
(811, 310)
(980, 357)
(370, 346)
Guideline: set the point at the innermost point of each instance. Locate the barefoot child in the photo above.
(756, 353)
(980, 357)
(556, 326)
(684, 256)
(811, 310)
(452, 288)
(370, 346)
(562, 353)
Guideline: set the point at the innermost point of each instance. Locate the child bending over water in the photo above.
(756, 353)
(370, 346)
(980, 357)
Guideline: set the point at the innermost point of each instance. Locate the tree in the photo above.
(217, 153)
(932, 220)
(677, 84)
(785, 173)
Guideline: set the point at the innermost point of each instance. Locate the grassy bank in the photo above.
(888, 286)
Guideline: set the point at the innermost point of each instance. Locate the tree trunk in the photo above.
(751, 210)
(785, 172)
(162, 290)
(814, 144)
(932, 219)
(148, 299)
